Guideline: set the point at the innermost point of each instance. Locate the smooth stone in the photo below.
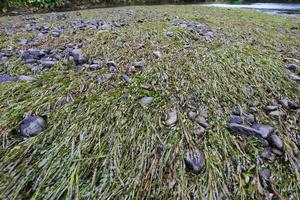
(104, 78)
(169, 33)
(245, 130)
(94, 66)
(277, 114)
(291, 67)
(192, 115)
(291, 60)
(265, 173)
(172, 118)
(295, 77)
(112, 63)
(277, 152)
(202, 122)
(284, 102)
(275, 141)
(199, 131)
(48, 63)
(32, 126)
(280, 49)
(194, 160)
(127, 79)
(6, 79)
(157, 54)
(236, 119)
(250, 118)
(140, 64)
(187, 46)
(268, 155)
(145, 101)
(26, 78)
(56, 33)
(78, 56)
(271, 108)
(265, 130)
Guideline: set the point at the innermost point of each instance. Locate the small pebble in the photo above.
(276, 141)
(145, 101)
(192, 115)
(172, 118)
(202, 122)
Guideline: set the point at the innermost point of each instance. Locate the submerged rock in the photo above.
(172, 118)
(32, 126)
(194, 160)
(145, 101)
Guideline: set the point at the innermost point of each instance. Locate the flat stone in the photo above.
(202, 122)
(127, 79)
(145, 101)
(236, 119)
(271, 108)
(94, 67)
(26, 78)
(250, 118)
(172, 118)
(32, 126)
(277, 114)
(264, 130)
(23, 42)
(194, 160)
(192, 115)
(277, 152)
(265, 173)
(169, 33)
(48, 63)
(7, 79)
(275, 141)
(140, 64)
(246, 131)
(56, 33)
(268, 155)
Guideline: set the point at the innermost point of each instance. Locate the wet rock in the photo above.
(265, 173)
(275, 141)
(48, 63)
(172, 118)
(194, 160)
(202, 121)
(157, 54)
(277, 114)
(268, 155)
(236, 119)
(26, 78)
(139, 65)
(32, 126)
(104, 78)
(192, 115)
(127, 79)
(264, 130)
(169, 33)
(145, 101)
(247, 131)
(6, 79)
(78, 56)
(295, 77)
(291, 67)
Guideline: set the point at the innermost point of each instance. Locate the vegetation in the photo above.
(100, 147)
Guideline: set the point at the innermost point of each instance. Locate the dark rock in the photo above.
(268, 155)
(264, 130)
(124, 97)
(284, 102)
(192, 115)
(199, 131)
(145, 101)
(275, 141)
(32, 126)
(293, 105)
(265, 173)
(236, 119)
(291, 67)
(112, 63)
(194, 160)
(6, 79)
(172, 118)
(295, 77)
(78, 56)
(35, 53)
(127, 79)
(202, 121)
(140, 64)
(247, 131)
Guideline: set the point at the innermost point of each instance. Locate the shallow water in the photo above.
(286, 9)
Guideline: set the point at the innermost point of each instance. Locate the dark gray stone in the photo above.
(112, 63)
(247, 131)
(295, 77)
(139, 65)
(187, 46)
(268, 155)
(113, 69)
(94, 67)
(265, 173)
(236, 119)
(145, 101)
(284, 103)
(264, 130)
(6, 79)
(277, 152)
(157, 54)
(275, 141)
(199, 131)
(291, 67)
(56, 33)
(194, 160)
(127, 79)
(172, 118)
(237, 111)
(78, 56)
(202, 122)
(32, 126)
(250, 118)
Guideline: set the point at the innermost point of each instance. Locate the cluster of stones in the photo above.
(279, 110)
(200, 29)
(293, 68)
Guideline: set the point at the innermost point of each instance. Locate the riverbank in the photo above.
(149, 102)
